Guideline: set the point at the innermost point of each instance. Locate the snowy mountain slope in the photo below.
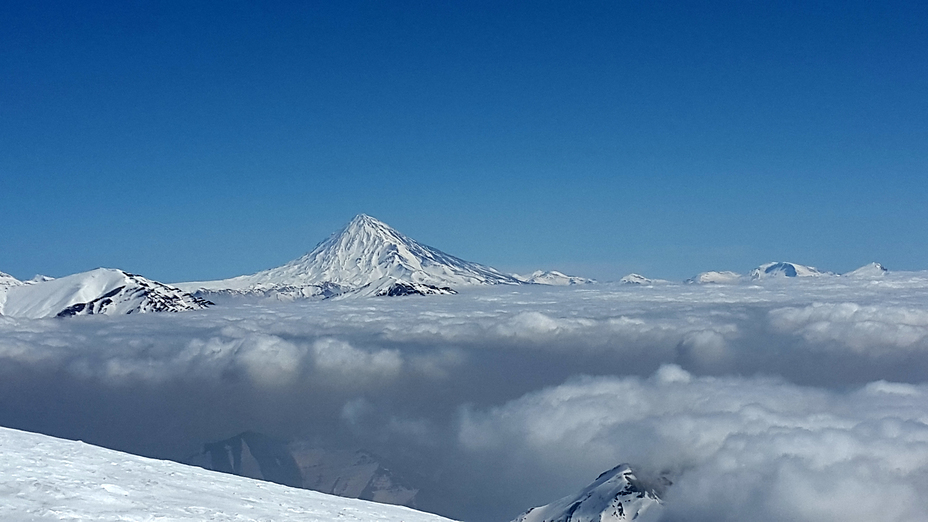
(868, 271)
(553, 278)
(99, 291)
(44, 478)
(617, 494)
(6, 283)
(299, 464)
(367, 257)
(714, 277)
(638, 279)
(783, 269)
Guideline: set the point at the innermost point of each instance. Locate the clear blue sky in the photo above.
(192, 142)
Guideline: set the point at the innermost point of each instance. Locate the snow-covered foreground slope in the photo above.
(368, 258)
(100, 291)
(615, 495)
(44, 478)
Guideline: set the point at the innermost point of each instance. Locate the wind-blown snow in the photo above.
(44, 478)
(367, 257)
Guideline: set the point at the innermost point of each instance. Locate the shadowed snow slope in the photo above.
(367, 257)
(615, 495)
(44, 478)
(100, 291)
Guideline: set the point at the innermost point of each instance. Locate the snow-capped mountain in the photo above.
(44, 478)
(868, 271)
(783, 269)
(553, 278)
(617, 494)
(101, 291)
(724, 277)
(638, 279)
(367, 257)
(298, 464)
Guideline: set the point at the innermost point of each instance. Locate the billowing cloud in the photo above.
(504, 398)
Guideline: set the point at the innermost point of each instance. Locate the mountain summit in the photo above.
(367, 257)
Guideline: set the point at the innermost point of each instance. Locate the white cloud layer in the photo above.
(742, 391)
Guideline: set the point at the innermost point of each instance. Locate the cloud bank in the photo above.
(787, 397)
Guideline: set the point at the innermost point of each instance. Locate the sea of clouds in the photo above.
(790, 400)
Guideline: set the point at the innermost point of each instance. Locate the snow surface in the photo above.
(780, 269)
(44, 478)
(366, 258)
(553, 278)
(615, 495)
(100, 291)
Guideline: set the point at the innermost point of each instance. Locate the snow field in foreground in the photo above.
(44, 478)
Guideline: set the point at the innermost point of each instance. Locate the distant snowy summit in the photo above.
(716, 278)
(783, 269)
(101, 291)
(873, 270)
(614, 496)
(366, 258)
(638, 279)
(553, 278)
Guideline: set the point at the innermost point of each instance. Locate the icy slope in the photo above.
(715, 277)
(554, 278)
(100, 291)
(638, 279)
(615, 495)
(367, 257)
(44, 478)
(782, 269)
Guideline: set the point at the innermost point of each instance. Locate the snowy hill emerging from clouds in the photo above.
(553, 278)
(615, 495)
(367, 257)
(44, 478)
(100, 291)
(872, 270)
(783, 269)
(715, 278)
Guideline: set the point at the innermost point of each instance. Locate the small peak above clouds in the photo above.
(715, 277)
(868, 271)
(616, 495)
(638, 279)
(367, 258)
(553, 278)
(779, 269)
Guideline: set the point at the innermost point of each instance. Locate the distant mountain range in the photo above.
(367, 258)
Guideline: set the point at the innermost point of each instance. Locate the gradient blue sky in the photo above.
(203, 141)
